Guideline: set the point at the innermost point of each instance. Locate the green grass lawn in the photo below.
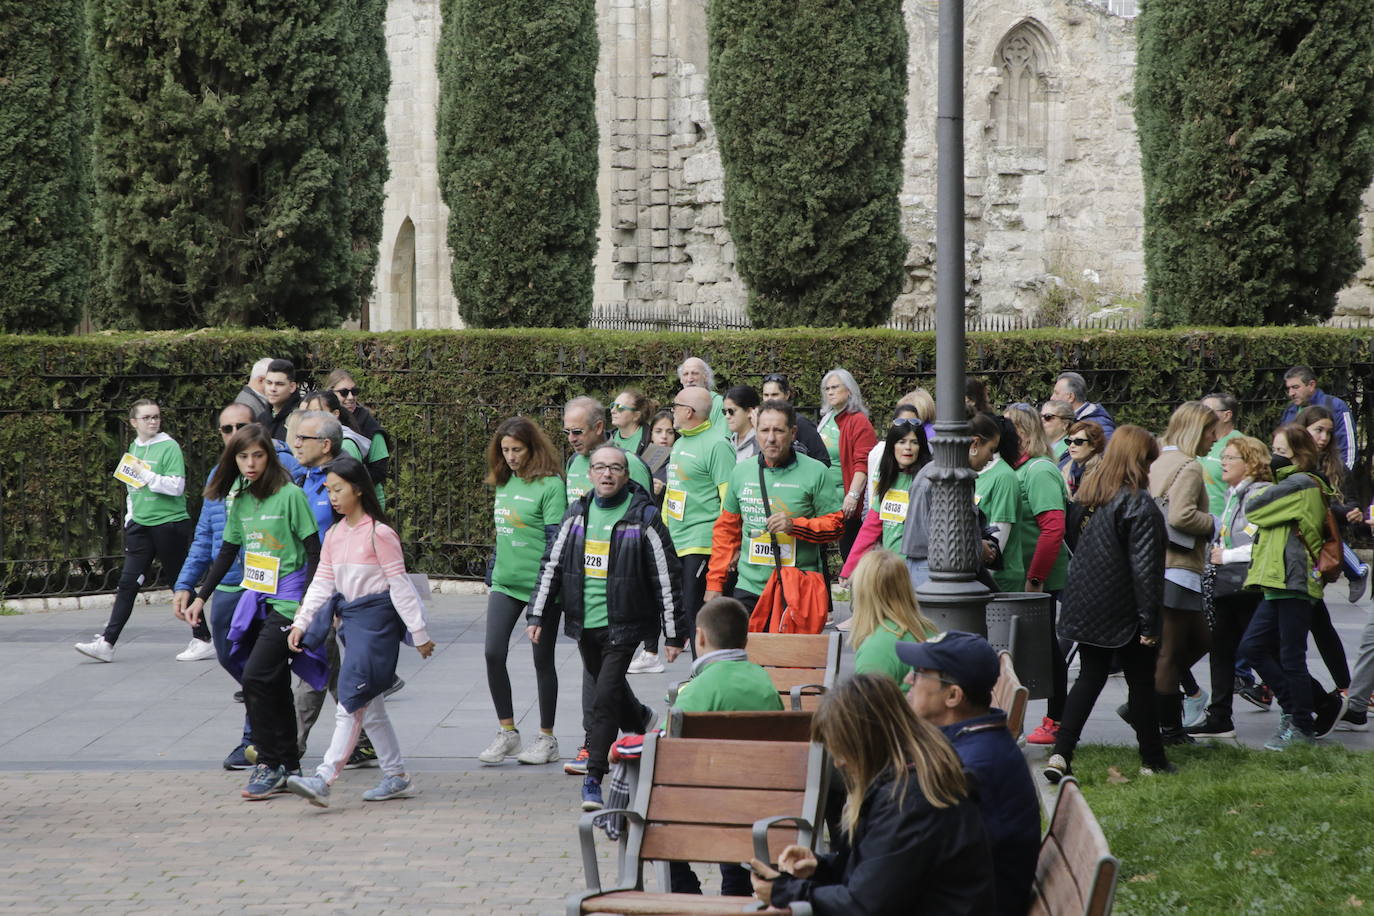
(1237, 831)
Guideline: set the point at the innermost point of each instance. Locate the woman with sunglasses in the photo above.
(1086, 442)
(379, 453)
(904, 452)
(629, 412)
(355, 444)
(740, 403)
(1055, 419)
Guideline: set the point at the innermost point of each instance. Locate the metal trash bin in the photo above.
(1019, 622)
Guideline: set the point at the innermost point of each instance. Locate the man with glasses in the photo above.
(156, 526)
(584, 423)
(613, 565)
(700, 467)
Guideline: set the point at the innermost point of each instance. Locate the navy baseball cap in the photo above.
(967, 659)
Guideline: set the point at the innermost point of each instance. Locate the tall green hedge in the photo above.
(44, 177)
(517, 158)
(809, 100)
(441, 393)
(1256, 124)
(220, 143)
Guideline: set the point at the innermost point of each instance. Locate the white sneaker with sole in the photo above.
(97, 649)
(544, 749)
(197, 650)
(505, 744)
(646, 663)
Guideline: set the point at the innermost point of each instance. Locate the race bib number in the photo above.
(260, 573)
(1250, 530)
(675, 504)
(894, 505)
(129, 470)
(977, 498)
(761, 550)
(596, 557)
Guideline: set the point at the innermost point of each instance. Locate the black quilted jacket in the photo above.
(1116, 574)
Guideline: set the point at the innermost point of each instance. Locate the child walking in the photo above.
(361, 579)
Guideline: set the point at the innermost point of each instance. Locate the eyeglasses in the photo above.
(573, 432)
(156, 416)
(348, 392)
(1231, 458)
(1078, 440)
(612, 468)
(231, 428)
(913, 422)
(932, 676)
(1047, 417)
(684, 406)
(300, 438)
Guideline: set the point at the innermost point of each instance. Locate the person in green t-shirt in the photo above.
(271, 522)
(156, 527)
(804, 503)
(630, 413)
(997, 494)
(378, 463)
(529, 503)
(1055, 419)
(885, 613)
(698, 472)
(904, 453)
(1224, 406)
(695, 373)
(584, 423)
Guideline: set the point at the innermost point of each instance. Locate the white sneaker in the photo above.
(97, 649)
(646, 663)
(505, 744)
(197, 650)
(544, 749)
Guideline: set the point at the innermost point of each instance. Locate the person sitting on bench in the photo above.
(723, 679)
(951, 687)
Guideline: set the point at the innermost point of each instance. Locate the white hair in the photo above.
(706, 368)
(259, 369)
(856, 400)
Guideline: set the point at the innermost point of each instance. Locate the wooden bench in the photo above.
(698, 801)
(1011, 696)
(1076, 872)
(740, 726)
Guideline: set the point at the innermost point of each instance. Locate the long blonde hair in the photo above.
(866, 725)
(882, 591)
(1190, 420)
(1029, 430)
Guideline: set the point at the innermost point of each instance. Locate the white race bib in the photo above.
(596, 557)
(761, 549)
(675, 504)
(894, 505)
(130, 468)
(260, 572)
(1250, 529)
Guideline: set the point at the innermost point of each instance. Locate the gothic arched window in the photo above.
(1020, 103)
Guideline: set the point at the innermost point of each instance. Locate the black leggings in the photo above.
(1094, 664)
(166, 543)
(503, 613)
(267, 694)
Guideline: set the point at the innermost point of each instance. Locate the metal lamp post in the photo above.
(953, 597)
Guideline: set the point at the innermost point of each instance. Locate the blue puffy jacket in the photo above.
(1344, 423)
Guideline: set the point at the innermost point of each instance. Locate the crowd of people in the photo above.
(676, 530)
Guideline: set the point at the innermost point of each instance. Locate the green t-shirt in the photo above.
(1042, 490)
(830, 435)
(274, 531)
(376, 452)
(726, 686)
(522, 509)
(596, 555)
(892, 511)
(802, 490)
(717, 417)
(1211, 474)
(1060, 448)
(998, 493)
(878, 653)
(350, 448)
(631, 442)
(702, 461)
(164, 458)
(580, 476)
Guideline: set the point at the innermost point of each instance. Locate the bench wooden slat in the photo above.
(703, 843)
(1055, 882)
(738, 807)
(1010, 696)
(1075, 872)
(786, 678)
(641, 903)
(789, 650)
(760, 764)
(747, 726)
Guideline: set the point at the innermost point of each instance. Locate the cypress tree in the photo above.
(1256, 144)
(365, 162)
(809, 100)
(220, 137)
(518, 158)
(44, 207)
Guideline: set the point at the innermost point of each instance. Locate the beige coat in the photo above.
(1187, 509)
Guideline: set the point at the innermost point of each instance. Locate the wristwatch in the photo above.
(1036, 582)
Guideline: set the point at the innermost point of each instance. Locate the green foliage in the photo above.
(1237, 830)
(518, 160)
(1256, 124)
(44, 186)
(809, 99)
(442, 393)
(365, 165)
(223, 168)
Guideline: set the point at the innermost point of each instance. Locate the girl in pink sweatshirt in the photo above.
(362, 574)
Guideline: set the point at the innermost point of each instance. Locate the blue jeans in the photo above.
(918, 571)
(222, 606)
(1279, 629)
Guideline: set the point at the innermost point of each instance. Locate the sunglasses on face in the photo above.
(1047, 417)
(230, 428)
(573, 432)
(622, 408)
(1078, 440)
(348, 392)
(729, 411)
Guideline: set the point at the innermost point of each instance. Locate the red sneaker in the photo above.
(1047, 733)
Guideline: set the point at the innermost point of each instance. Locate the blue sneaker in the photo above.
(265, 781)
(1195, 708)
(238, 759)
(591, 794)
(311, 788)
(397, 786)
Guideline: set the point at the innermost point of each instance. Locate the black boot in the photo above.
(1170, 706)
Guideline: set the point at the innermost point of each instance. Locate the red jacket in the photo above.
(856, 441)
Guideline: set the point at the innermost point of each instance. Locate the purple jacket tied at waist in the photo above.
(311, 666)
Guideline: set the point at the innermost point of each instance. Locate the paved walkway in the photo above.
(116, 802)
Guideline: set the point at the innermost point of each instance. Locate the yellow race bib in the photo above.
(596, 557)
(761, 549)
(129, 468)
(894, 505)
(260, 572)
(674, 504)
